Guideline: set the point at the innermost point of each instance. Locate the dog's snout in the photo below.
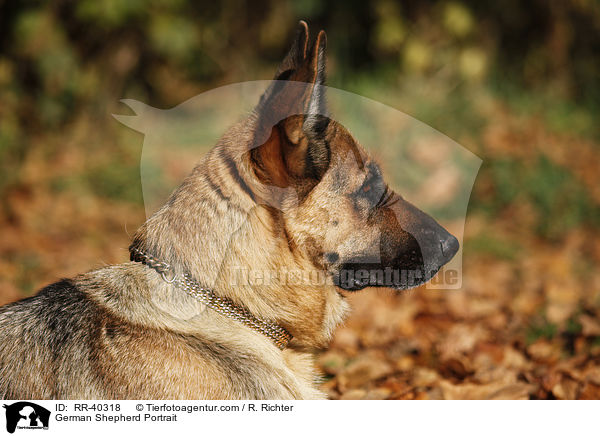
(449, 246)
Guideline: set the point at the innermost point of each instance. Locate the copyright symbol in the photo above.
(139, 407)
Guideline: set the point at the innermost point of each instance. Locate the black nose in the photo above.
(449, 247)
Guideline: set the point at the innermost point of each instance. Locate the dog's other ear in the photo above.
(291, 118)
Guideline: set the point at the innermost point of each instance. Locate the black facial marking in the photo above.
(332, 257)
(407, 255)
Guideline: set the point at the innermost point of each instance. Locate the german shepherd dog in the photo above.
(288, 188)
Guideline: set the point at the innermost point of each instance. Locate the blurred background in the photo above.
(517, 83)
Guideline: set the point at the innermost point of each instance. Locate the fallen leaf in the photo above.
(354, 394)
(590, 326)
(424, 377)
(491, 391)
(543, 351)
(363, 370)
(332, 362)
(589, 391)
(592, 375)
(461, 339)
(515, 359)
(378, 394)
(495, 374)
(566, 389)
(456, 367)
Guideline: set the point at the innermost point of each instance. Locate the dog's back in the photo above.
(45, 342)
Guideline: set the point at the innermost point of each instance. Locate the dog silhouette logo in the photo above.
(26, 415)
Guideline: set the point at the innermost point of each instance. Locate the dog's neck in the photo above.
(234, 249)
(222, 305)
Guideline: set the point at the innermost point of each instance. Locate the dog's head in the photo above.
(335, 205)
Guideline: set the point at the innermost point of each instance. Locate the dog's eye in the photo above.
(372, 190)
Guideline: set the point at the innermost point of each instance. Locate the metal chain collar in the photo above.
(223, 305)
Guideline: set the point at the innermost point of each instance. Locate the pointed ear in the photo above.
(297, 53)
(294, 59)
(284, 98)
(313, 104)
(291, 121)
